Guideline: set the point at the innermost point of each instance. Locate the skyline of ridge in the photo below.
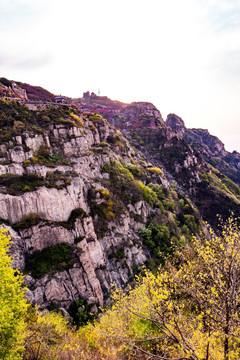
(181, 56)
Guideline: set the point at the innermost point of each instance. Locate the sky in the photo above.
(182, 56)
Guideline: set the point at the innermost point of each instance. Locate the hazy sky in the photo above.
(181, 55)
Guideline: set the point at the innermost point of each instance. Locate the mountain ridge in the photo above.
(89, 201)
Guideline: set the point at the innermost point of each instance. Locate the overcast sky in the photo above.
(183, 56)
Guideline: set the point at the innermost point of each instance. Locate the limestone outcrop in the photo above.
(42, 217)
(86, 206)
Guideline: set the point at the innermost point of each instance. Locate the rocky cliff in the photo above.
(83, 207)
(210, 147)
(87, 206)
(11, 89)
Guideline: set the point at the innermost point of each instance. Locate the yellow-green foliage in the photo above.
(219, 187)
(77, 119)
(90, 343)
(103, 144)
(13, 306)
(135, 170)
(124, 171)
(46, 118)
(155, 170)
(96, 119)
(147, 193)
(125, 185)
(107, 211)
(190, 308)
(47, 336)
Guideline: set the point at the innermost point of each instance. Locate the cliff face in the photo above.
(11, 89)
(87, 206)
(176, 124)
(138, 115)
(75, 181)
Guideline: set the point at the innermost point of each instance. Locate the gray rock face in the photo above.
(94, 264)
(45, 202)
(211, 145)
(41, 236)
(176, 124)
(138, 108)
(19, 92)
(139, 115)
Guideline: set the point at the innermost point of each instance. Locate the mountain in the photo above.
(88, 199)
(24, 91)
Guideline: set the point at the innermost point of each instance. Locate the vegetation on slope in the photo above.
(170, 225)
(16, 118)
(208, 146)
(211, 190)
(188, 310)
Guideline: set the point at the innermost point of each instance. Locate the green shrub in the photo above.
(50, 259)
(169, 204)
(119, 254)
(158, 238)
(124, 186)
(147, 193)
(135, 170)
(96, 119)
(47, 160)
(77, 213)
(43, 151)
(17, 185)
(158, 189)
(113, 139)
(104, 211)
(81, 312)
(27, 221)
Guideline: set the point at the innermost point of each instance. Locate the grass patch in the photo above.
(17, 185)
(47, 160)
(27, 221)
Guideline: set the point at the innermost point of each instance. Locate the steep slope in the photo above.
(189, 165)
(87, 206)
(9, 88)
(209, 146)
(84, 208)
